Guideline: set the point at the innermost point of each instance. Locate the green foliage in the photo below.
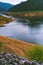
(29, 5)
(35, 54)
(1, 44)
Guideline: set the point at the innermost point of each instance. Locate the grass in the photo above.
(15, 46)
(1, 46)
(35, 54)
(23, 49)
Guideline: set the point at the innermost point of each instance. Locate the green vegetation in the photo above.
(29, 5)
(1, 46)
(27, 50)
(35, 54)
(28, 8)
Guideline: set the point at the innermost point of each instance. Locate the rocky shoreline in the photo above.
(10, 59)
(4, 20)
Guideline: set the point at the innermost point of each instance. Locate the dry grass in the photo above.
(15, 46)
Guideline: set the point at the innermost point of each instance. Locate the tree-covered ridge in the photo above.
(5, 6)
(30, 5)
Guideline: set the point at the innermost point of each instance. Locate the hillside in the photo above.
(5, 6)
(30, 5)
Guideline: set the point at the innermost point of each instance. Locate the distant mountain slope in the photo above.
(30, 5)
(5, 6)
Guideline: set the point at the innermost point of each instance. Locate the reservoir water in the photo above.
(23, 29)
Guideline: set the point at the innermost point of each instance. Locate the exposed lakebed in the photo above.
(25, 30)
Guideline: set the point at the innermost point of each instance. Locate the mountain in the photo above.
(5, 6)
(30, 5)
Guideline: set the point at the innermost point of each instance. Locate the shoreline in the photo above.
(26, 14)
(4, 20)
(13, 39)
(15, 46)
(32, 16)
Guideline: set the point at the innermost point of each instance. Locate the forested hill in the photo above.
(30, 5)
(5, 6)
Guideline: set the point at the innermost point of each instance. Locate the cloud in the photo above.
(12, 1)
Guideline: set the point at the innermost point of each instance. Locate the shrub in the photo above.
(1, 44)
(35, 54)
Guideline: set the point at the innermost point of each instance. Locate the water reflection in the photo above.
(25, 30)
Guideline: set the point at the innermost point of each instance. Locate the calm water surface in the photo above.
(24, 30)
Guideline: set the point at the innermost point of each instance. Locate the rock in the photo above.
(34, 62)
(10, 59)
(26, 63)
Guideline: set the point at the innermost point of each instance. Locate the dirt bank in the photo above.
(15, 46)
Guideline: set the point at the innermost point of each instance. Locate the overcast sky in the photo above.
(12, 1)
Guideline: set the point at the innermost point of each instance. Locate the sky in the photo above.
(12, 1)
